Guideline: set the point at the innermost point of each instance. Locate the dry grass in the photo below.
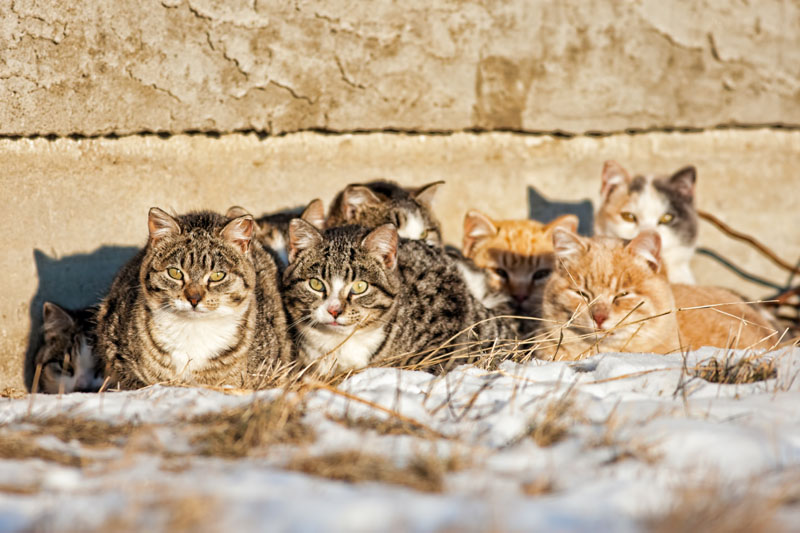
(239, 431)
(94, 433)
(388, 426)
(539, 487)
(729, 372)
(424, 473)
(22, 446)
(12, 393)
(552, 424)
(184, 513)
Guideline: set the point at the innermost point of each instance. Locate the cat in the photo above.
(384, 202)
(517, 256)
(664, 203)
(358, 297)
(609, 296)
(66, 359)
(199, 304)
(272, 230)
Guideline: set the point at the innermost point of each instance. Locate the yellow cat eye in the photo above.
(424, 234)
(316, 284)
(666, 218)
(627, 216)
(174, 273)
(359, 287)
(217, 276)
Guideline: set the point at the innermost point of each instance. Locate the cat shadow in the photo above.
(74, 282)
(545, 210)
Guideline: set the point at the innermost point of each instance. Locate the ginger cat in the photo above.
(517, 255)
(608, 296)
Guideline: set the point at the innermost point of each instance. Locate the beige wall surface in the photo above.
(75, 210)
(97, 66)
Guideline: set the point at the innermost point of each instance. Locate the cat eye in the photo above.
(175, 273)
(583, 294)
(502, 273)
(627, 216)
(424, 234)
(216, 276)
(359, 287)
(666, 218)
(622, 294)
(316, 284)
(541, 274)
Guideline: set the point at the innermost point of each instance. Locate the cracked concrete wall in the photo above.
(75, 210)
(98, 67)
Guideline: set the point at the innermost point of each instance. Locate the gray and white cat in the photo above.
(385, 202)
(66, 356)
(631, 205)
(199, 304)
(358, 297)
(272, 229)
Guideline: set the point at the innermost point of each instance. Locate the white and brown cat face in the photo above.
(604, 294)
(663, 203)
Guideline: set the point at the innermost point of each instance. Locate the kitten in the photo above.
(358, 297)
(608, 296)
(272, 230)
(384, 202)
(664, 203)
(66, 357)
(517, 256)
(199, 304)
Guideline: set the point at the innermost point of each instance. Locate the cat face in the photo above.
(198, 264)
(66, 358)
(517, 254)
(341, 280)
(373, 204)
(664, 203)
(601, 290)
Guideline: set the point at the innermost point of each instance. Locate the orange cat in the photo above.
(608, 296)
(517, 254)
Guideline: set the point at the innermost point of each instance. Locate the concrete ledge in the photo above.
(74, 211)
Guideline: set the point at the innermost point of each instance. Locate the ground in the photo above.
(700, 441)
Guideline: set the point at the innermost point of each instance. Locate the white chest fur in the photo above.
(194, 340)
(335, 351)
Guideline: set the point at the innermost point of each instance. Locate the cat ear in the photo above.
(302, 235)
(647, 245)
(683, 181)
(382, 242)
(567, 222)
(477, 227)
(314, 214)
(613, 174)
(55, 318)
(236, 211)
(425, 194)
(161, 225)
(239, 231)
(567, 244)
(354, 198)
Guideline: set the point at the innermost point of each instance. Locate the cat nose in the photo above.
(521, 297)
(334, 310)
(193, 294)
(599, 316)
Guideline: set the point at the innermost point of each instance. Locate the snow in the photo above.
(640, 430)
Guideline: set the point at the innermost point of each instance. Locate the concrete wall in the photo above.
(96, 76)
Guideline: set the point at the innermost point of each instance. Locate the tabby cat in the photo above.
(199, 304)
(664, 203)
(384, 202)
(517, 255)
(272, 230)
(608, 296)
(358, 297)
(66, 359)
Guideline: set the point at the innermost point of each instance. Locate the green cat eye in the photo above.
(424, 235)
(316, 284)
(359, 287)
(627, 216)
(175, 273)
(666, 218)
(217, 276)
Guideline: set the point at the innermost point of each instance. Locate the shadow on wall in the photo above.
(73, 282)
(544, 210)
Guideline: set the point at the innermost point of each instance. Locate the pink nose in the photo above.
(599, 317)
(334, 310)
(520, 297)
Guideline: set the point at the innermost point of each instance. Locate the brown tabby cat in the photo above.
(608, 296)
(518, 256)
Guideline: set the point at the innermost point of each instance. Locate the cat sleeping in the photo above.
(66, 359)
(199, 304)
(664, 203)
(358, 297)
(608, 296)
(518, 257)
